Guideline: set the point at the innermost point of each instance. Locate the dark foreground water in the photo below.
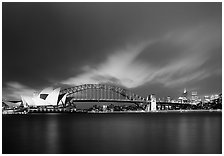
(113, 133)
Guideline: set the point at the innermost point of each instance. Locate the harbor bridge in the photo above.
(109, 93)
(101, 93)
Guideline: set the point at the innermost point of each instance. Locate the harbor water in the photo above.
(113, 133)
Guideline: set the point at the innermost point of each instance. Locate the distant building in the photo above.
(220, 98)
(206, 99)
(104, 108)
(185, 93)
(213, 97)
(174, 101)
(194, 97)
(182, 100)
(168, 99)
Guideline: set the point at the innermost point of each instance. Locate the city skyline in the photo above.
(148, 48)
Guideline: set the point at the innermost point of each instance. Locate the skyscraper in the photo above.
(194, 97)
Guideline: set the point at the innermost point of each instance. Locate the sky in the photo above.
(147, 48)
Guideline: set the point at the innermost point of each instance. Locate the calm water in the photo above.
(113, 133)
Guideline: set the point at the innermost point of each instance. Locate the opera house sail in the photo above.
(52, 98)
(45, 92)
(12, 104)
(62, 100)
(48, 96)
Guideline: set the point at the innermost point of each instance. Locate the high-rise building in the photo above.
(185, 93)
(194, 97)
(183, 98)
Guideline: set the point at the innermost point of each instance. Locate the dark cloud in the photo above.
(161, 46)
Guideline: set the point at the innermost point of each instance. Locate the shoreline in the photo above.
(158, 111)
(116, 112)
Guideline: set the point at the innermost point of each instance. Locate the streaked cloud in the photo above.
(124, 67)
(14, 90)
(120, 68)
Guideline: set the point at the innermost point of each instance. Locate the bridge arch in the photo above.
(122, 94)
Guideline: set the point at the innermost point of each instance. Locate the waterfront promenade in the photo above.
(7, 112)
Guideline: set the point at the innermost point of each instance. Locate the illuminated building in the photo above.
(213, 97)
(104, 108)
(183, 99)
(206, 99)
(185, 93)
(194, 97)
(168, 99)
(46, 97)
(180, 99)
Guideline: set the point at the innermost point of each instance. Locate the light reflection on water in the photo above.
(52, 135)
(113, 133)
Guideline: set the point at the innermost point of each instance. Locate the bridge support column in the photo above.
(148, 107)
(152, 105)
(153, 102)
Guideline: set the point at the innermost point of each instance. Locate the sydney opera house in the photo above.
(47, 97)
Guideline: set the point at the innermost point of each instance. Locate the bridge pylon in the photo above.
(151, 103)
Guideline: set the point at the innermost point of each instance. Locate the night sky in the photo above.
(158, 48)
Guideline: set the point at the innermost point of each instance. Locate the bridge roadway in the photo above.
(169, 103)
(109, 100)
(130, 101)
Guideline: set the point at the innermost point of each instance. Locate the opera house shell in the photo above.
(12, 104)
(48, 96)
